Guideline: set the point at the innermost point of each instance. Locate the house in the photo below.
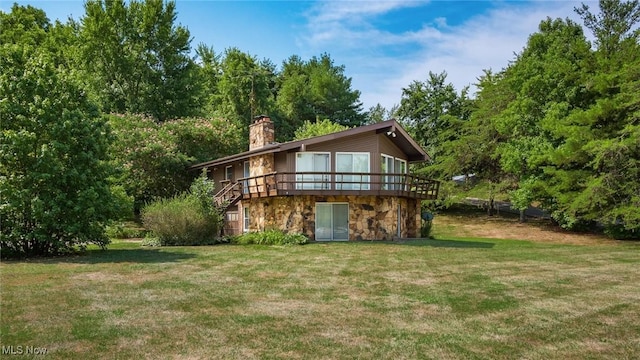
(350, 185)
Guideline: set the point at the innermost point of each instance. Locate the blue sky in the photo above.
(384, 45)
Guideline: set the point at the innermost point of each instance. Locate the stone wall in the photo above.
(370, 217)
(261, 133)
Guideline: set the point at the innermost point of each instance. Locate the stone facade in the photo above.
(261, 133)
(370, 217)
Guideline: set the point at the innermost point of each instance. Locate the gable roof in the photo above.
(395, 132)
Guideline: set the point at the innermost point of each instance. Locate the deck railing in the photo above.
(338, 183)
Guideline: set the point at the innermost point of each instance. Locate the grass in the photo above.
(453, 297)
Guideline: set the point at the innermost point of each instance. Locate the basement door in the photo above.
(332, 222)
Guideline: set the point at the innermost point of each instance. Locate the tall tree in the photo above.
(317, 89)
(378, 113)
(547, 80)
(53, 174)
(595, 167)
(432, 111)
(472, 146)
(244, 88)
(139, 59)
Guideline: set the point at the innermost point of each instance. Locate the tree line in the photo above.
(103, 114)
(559, 127)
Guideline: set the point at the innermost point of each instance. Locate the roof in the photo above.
(396, 133)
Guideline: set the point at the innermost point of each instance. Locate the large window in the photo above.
(312, 162)
(332, 221)
(397, 167)
(352, 163)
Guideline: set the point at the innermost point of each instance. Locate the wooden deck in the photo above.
(338, 183)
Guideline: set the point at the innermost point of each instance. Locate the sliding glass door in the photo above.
(312, 162)
(352, 163)
(332, 222)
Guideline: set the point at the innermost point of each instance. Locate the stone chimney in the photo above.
(261, 132)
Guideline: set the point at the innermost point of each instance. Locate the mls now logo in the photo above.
(23, 350)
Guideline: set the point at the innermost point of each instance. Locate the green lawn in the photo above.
(440, 299)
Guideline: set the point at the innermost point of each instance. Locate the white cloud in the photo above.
(380, 70)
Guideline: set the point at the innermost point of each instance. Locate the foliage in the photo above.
(240, 86)
(152, 159)
(594, 170)
(138, 59)
(432, 112)
(425, 229)
(270, 237)
(121, 230)
(186, 219)
(378, 114)
(324, 127)
(53, 177)
(317, 89)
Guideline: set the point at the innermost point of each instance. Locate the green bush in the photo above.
(180, 221)
(425, 230)
(187, 219)
(271, 237)
(619, 232)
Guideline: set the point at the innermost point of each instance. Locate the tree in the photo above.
(614, 26)
(546, 79)
(324, 127)
(594, 171)
(430, 108)
(152, 159)
(53, 177)
(139, 60)
(378, 114)
(317, 89)
(244, 88)
(24, 25)
(472, 147)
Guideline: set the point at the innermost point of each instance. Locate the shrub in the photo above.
(271, 237)
(180, 221)
(425, 230)
(619, 232)
(186, 219)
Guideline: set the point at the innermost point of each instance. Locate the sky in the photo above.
(383, 45)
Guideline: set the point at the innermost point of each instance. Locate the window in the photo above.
(228, 173)
(246, 173)
(245, 219)
(387, 168)
(396, 166)
(312, 162)
(352, 163)
(401, 169)
(332, 221)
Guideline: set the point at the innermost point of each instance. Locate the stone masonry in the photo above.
(370, 217)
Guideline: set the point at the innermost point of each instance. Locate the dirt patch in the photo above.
(508, 227)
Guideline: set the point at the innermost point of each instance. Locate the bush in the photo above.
(180, 221)
(619, 232)
(271, 237)
(187, 219)
(425, 230)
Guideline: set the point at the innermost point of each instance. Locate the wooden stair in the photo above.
(228, 195)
